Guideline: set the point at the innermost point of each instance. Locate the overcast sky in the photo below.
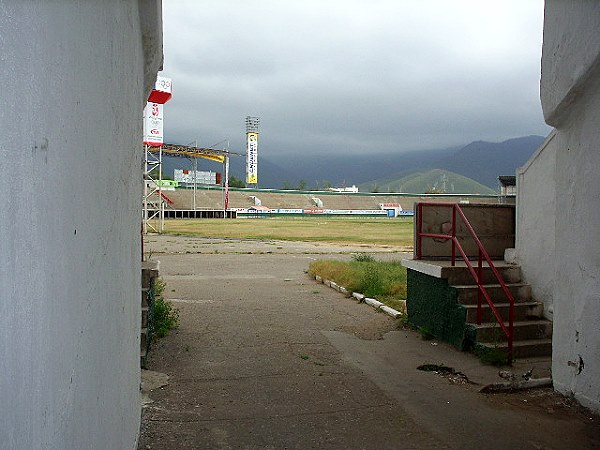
(353, 76)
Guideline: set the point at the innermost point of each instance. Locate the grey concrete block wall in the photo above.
(494, 225)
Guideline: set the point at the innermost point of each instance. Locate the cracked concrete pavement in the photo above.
(266, 358)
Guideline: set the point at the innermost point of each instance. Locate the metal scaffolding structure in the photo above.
(154, 200)
(154, 212)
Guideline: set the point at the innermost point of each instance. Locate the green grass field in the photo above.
(396, 232)
(383, 280)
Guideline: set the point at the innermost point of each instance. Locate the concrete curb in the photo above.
(516, 386)
(361, 298)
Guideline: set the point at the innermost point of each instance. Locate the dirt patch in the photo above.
(547, 401)
(453, 376)
(373, 328)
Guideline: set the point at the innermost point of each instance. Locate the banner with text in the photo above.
(200, 177)
(252, 158)
(153, 124)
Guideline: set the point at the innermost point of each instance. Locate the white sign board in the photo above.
(153, 124)
(163, 84)
(201, 177)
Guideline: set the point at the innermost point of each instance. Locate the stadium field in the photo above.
(396, 232)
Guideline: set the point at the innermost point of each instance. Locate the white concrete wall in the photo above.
(570, 55)
(570, 94)
(576, 350)
(536, 211)
(72, 88)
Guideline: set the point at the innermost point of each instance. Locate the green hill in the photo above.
(432, 181)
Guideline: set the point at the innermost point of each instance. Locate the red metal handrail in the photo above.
(477, 275)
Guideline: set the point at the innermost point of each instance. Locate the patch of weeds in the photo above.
(370, 281)
(317, 363)
(402, 321)
(425, 333)
(392, 302)
(382, 280)
(165, 316)
(363, 257)
(316, 291)
(492, 356)
(304, 357)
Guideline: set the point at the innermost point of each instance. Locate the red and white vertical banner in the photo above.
(153, 124)
(153, 112)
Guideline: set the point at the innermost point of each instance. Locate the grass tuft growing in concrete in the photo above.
(165, 317)
(382, 280)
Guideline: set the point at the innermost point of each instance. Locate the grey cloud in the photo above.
(352, 76)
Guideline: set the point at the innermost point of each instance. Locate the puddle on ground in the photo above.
(449, 373)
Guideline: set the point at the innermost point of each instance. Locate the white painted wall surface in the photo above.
(570, 55)
(71, 96)
(536, 210)
(570, 94)
(576, 350)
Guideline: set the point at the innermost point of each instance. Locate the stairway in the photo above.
(532, 332)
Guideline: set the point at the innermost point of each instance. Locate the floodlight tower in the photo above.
(252, 149)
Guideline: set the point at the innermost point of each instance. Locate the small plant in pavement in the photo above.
(165, 316)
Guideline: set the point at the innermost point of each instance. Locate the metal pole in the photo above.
(226, 190)
(419, 230)
(145, 218)
(160, 197)
(453, 235)
(195, 169)
(479, 285)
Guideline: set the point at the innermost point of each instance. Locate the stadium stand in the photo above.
(242, 198)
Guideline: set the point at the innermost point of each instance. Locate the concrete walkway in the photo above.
(266, 358)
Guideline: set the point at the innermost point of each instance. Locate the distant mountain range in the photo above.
(431, 181)
(480, 161)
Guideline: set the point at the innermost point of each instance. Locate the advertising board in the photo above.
(252, 158)
(201, 177)
(162, 91)
(153, 124)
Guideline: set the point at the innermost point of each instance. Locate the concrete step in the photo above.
(467, 294)
(144, 317)
(144, 338)
(521, 349)
(522, 311)
(523, 330)
(460, 274)
(145, 297)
